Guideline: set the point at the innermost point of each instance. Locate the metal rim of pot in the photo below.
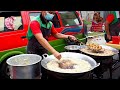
(31, 70)
(106, 47)
(72, 47)
(92, 62)
(78, 47)
(12, 61)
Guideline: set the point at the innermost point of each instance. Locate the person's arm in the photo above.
(35, 27)
(107, 30)
(109, 19)
(60, 35)
(46, 45)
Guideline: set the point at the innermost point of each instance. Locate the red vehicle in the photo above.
(13, 42)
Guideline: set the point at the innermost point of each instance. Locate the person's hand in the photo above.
(108, 36)
(71, 37)
(57, 55)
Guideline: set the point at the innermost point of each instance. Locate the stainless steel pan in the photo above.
(102, 57)
(61, 75)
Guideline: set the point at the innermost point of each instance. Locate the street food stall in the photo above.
(104, 57)
(86, 58)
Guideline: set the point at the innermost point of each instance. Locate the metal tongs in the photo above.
(81, 44)
(78, 42)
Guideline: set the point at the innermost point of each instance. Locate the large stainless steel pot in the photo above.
(66, 75)
(24, 66)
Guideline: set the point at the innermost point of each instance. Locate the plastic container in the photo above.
(116, 39)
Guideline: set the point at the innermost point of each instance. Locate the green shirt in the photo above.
(48, 26)
(115, 17)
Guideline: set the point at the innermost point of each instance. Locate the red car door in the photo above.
(10, 39)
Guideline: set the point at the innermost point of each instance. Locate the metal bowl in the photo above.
(72, 47)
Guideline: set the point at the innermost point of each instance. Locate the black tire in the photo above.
(4, 70)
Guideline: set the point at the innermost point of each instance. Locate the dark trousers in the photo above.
(43, 72)
(114, 30)
(107, 40)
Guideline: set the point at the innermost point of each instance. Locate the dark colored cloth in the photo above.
(34, 46)
(107, 40)
(114, 30)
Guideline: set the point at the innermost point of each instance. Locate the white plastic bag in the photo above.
(97, 39)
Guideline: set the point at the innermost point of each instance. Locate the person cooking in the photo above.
(112, 25)
(39, 30)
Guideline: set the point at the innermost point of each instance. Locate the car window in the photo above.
(17, 23)
(69, 18)
(33, 15)
(10, 21)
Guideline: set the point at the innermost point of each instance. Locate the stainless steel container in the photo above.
(25, 66)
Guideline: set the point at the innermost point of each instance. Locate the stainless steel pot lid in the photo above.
(24, 60)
